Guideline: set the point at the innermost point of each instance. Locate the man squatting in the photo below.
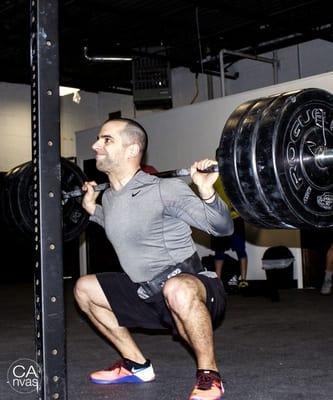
(147, 219)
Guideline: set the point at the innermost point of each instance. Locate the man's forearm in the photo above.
(90, 208)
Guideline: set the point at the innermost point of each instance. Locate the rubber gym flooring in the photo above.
(266, 350)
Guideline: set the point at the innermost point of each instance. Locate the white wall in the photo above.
(306, 59)
(15, 125)
(15, 136)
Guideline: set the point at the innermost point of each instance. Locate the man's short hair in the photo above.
(134, 132)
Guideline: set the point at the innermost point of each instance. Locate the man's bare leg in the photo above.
(185, 296)
(218, 267)
(243, 268)
(92, 301)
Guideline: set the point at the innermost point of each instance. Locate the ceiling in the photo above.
(183, 32)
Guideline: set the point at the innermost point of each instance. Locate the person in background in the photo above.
(327, 283)
(149, 169)
(235, 242)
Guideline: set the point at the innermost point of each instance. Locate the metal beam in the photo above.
(273, 61)
(48, 271)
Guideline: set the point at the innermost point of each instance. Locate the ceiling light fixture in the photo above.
(64, 91)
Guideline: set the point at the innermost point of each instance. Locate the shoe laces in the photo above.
(117, 365)
(205, 380)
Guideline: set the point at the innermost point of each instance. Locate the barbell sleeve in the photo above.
(324, 157)
(164, 174)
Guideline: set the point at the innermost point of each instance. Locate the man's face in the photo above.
(109, 147)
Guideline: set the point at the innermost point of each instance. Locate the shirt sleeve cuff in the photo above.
(98, 216)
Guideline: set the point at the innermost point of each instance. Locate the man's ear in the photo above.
(133, 150)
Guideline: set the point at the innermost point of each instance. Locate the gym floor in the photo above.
(266, 350)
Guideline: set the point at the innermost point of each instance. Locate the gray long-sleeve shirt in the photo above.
(148, 223)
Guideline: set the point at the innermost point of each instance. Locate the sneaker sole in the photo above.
(201, 398)
(125, 379)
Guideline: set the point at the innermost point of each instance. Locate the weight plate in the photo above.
(75, 218)
(5, 213)
(226, 160)
(232, 160)
(293, 130)
(306, 186)
(17, 188)
(245, 168)
(18, 199)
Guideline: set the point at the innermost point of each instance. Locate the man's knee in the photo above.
(83, 290)
(180, 292)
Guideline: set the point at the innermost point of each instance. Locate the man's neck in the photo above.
(118, 179)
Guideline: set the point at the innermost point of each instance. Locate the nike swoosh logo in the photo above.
(134, 194)
(135, 370)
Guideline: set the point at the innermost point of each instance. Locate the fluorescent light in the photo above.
(64, 90)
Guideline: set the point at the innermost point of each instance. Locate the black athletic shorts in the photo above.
(133, 312)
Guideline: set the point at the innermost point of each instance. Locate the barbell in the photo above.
(275, 159)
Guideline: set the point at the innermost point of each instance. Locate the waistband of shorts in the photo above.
(191, 265)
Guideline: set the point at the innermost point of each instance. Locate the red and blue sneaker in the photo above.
(208, 386)
(124, 371)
